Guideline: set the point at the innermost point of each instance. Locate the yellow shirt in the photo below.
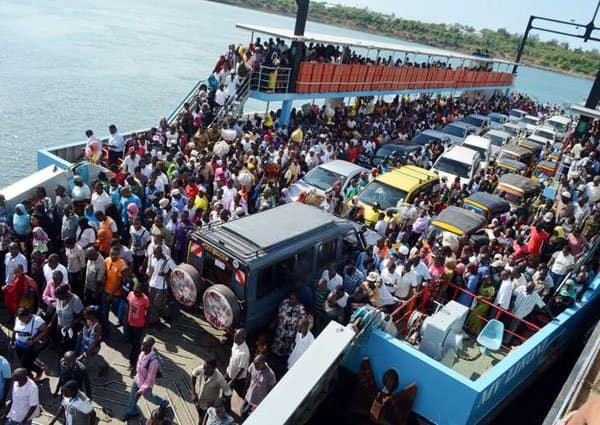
(201, 203)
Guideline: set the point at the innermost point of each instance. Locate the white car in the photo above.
(498, 138)
(497, 120)
(458, 161)
(480, 122)
(481, 145)
(529, 123)
(322, 177)
(560, 124)
(516, 115)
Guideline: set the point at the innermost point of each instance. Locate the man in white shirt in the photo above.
(406, 279)
(25, 399)
(526, 299)
(130, 162)
(332, 277)
(11, 260)
(220, 96)
(100, 199)
(116, 145)
(505, 291)
(75, 407)
(81, 192)
(593, 190)
(53, 265)
(159, 267)
(237, 369)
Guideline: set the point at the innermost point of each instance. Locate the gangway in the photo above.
(295, 398)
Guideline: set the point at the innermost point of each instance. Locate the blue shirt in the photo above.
(5, 374)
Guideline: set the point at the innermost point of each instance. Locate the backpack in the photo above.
(155, 356)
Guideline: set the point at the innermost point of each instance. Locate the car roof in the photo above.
(519, 181)
(407, 177)
(460, 153)
(532, 116)
(342, 167)
(497, 114)
(435, 133)
(546, 128)
(518, 110)
(480, 116)
(248, 236)
(559, 118)
(474, 140)
(400, 148)
(460, 124)
(498, 133)
(493, 203)
(461, 218)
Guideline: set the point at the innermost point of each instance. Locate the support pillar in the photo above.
(286, 112)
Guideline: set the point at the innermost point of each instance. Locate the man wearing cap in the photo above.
(178, 200)
(563, 207)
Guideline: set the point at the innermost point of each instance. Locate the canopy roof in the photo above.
(367, 44)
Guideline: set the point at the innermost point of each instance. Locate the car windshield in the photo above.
(453, 167)
(511, 130)
(482, 152)
(321, 178)
(477, 122)
(497, 118)
(558, 126)
(454, 130)
(422, 139)
(384, 195)
(530, 120)
(516, 114)
(545, 134)
(496, 140)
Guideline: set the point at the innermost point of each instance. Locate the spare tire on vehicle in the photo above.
(221, 307)
(186, 284)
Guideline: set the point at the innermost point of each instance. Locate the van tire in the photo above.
(226, 296)
(185, 274)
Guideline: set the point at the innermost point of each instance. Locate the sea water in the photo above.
(68, 66)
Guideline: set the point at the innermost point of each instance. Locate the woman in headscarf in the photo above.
(20, 292)
(40, 240)
(487, 292)
(21, 222)
(285, 196)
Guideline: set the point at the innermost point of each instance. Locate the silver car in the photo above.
(322, 177)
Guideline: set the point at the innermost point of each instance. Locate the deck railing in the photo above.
(268, 79)
(420, 301)
(328, 77)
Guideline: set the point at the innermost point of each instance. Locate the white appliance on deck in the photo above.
(442, 333)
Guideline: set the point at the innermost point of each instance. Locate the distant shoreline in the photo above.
(347, 25)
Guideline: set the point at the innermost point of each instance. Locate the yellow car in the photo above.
(400, 185)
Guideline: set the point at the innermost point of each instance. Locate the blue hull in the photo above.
(447, 397)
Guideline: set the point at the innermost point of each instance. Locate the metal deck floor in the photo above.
(181, 345)
(471, 363)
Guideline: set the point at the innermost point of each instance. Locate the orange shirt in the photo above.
(113, 276)
(105, 230)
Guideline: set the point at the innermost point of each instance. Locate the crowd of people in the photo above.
(73, 258)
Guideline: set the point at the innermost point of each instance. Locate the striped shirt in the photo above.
(525, 303)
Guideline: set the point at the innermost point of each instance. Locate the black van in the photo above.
(240, 271)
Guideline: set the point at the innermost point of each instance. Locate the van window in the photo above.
(215, 270)
(326, 253)
(284, 273)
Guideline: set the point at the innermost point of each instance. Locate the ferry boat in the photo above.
(457, 382)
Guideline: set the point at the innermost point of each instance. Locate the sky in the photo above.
(510, 14)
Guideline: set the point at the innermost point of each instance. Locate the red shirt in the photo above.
(536, 240)
(137, 309)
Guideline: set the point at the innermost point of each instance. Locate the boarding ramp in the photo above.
(296, 397)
